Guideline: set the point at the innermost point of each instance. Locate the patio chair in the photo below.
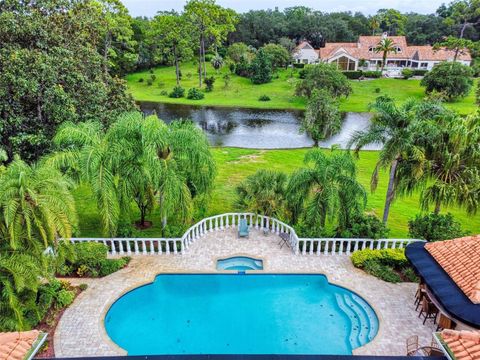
(444, 322)
(412, 345)
(419, 295)
(243, 228)
(428, 310)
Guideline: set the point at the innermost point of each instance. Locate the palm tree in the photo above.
(137, 159)
(35, 204)
(263, 193)
(327, 188)
(394, 127)
(454, 155)
(385, 46)
(19, 280)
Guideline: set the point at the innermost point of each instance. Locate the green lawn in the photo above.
(242, 93)
(235, 164)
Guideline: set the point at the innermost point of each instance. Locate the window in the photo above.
(399, 49)
(423, 65)
(371, 49)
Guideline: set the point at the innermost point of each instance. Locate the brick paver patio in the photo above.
(80, 331)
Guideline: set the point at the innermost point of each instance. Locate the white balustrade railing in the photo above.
(332, 246)
(304, 246)
(136, 246)
(231, 220)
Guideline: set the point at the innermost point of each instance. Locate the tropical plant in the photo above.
(322, 117)
(394, 128)
(326, 189)
(364, 227)
(279, 56)
(450, 78)
(385, 46)
(217, 62)
(323, 76)
(263, 193)
(435, 227)
(140, 159)
(36, 205)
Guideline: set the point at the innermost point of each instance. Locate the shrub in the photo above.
(378, 90)
(232, 67)
(226, 81)
(364, 226)
(177, 92)
(419, 72)
(110, 266)
(407, 73)
(409, 274)
(381, 271)
(141, 80)
(279, 56)
(209, 84)
(451, 78)
(324, 76)
(195, 94)
(353, 75)
(386, 264)
(298, 65)
(150, 71)
(83, 287)
(264, 98)
(64, 298)
(372, 74)
(149, 81)
(153, 77)
(164, 93)
(477, 94)
(435, 227)
(302, 74)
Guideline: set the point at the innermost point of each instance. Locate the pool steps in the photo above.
(363, 322)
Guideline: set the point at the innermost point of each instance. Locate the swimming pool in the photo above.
(240, 314)
(240, 263)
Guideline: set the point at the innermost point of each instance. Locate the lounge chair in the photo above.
(243, 228)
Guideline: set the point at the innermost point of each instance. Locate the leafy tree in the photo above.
(452, 79)
(261, 68)
(278, 55)
(391, 21)
(322, 117)
(237, 51)
(170, 34)
(458, 46)
(477, 93)
(324, 76)
(52, 71)
(138, 159)
(385, 46)
(435, 227)
(287, 43)
(463, 13)
(326, 189)
(394, 127)
(263, 193)
(209, 21)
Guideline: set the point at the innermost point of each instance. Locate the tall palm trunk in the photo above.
(390, 190)
(438, 206)
(177, 68)
(200, 66)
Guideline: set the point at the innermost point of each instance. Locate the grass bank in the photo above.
(236, 164)
(242, 93)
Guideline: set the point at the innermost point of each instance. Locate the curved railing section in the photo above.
(303, 246)
(231, 220)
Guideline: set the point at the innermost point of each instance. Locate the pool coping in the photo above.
(109, 304)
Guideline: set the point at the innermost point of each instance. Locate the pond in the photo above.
(255, 128)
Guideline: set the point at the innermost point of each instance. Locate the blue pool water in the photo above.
(240, 263)
(240, 314)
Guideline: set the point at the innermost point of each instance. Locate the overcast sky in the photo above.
(150, 7)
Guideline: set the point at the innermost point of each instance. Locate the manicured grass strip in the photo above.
(234, 165)
(242, 93)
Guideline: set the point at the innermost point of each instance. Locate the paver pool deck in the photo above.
(81, 331)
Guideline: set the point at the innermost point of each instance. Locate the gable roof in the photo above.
(427, 53)
(18, 345)
(464, 345)
(460, 258)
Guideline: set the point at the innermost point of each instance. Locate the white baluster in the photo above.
(325, 248)
(216, 223)
(175, 251)
(226, 220)
(152, 248)
(319, 246)
(211, 226)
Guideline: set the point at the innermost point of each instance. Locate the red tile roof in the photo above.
(17, 345)
(427, 53)
(464, 345)
(460, 258)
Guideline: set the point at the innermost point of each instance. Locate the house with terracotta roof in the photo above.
(362, 54)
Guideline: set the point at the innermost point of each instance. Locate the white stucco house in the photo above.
(361, 54)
